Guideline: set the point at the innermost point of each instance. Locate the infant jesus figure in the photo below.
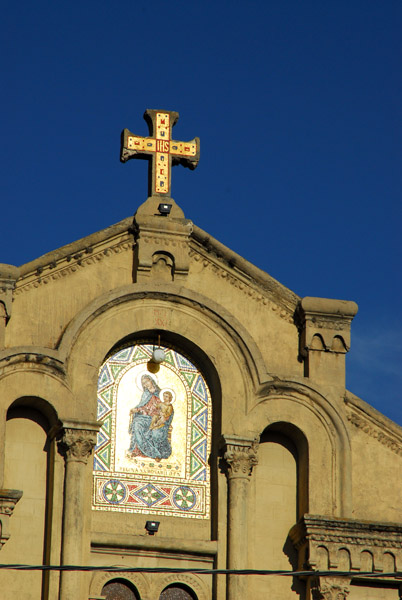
(165, 409)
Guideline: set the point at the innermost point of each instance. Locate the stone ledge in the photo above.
(347, 544)
(147, 542)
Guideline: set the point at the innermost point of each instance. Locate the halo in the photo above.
(141, 375)
(170, 391)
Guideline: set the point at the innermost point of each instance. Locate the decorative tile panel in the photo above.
(152, 450)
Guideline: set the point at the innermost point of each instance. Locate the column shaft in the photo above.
(240, 457)
(76, 445)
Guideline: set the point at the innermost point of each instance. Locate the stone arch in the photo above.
(344, 560)
(329, 473)
(338, 344)
(322, 555)
(317, 342)
(138, 580)
(366, 561)
(137, 308)
(47, 414)
(119, 587)
(190, 581)
(389, 562)
(44, 390)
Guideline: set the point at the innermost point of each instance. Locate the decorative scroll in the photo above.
(153, 447)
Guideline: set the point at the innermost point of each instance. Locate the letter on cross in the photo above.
(160, 150)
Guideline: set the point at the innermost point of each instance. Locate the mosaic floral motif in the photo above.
(152, 450)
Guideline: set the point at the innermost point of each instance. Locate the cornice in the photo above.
(31, 357)
(42, 272)
(371, 422)
(238, 272)
(330, 543)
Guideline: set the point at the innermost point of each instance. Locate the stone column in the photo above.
(329, 588)
(240, 457)
(76, 443)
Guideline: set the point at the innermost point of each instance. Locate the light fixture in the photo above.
(164, 209)
(152, 527)
(158, 356)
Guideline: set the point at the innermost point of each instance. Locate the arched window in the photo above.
(120, 589)
(177, 591)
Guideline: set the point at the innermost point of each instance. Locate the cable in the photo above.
(350, 574)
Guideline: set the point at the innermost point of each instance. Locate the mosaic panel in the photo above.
(152, 450)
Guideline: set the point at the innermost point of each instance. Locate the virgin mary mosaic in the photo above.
(153, 447)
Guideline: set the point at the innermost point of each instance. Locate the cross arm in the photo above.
(134, 146)
(185, 153)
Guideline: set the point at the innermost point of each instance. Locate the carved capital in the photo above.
(8, 500)
(77, 444)
(329, 588)
(240, 456)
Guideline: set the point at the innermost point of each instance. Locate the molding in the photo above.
(324, 324)
(89, 241)
(327, 542)
(31, 357)
(44, 271)
(252, 281)
(180, 297)
(147, 542)
(377, 427)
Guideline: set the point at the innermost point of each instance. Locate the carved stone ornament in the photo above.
(8, 500)
(347, 544)
(324, 325)
(240, 457)
(77, 444)
(329, 588)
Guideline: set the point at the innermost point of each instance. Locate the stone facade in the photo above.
(258, 459)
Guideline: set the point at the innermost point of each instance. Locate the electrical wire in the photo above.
(280, 572)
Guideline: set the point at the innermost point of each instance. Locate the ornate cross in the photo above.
(160, 150)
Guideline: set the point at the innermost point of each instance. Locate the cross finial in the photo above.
(160, 150)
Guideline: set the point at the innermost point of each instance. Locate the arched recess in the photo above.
(28, 460)
(278, 497)
(329, 452)
(46, 390)
(198, 322)
(195, 586)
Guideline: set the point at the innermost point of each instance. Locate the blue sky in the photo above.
(297, 105)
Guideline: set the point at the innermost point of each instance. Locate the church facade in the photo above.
(167, 405)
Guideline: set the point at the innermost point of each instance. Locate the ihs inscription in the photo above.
(160, 150)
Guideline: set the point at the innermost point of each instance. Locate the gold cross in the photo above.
(160, 150)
